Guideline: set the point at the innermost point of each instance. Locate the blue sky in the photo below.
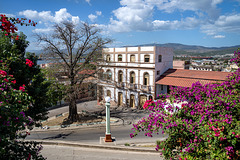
(211, 23)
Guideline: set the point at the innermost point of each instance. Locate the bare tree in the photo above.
(78, 47)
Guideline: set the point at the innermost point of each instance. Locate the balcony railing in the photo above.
(146, 88)
(120, 84)
(132, 86)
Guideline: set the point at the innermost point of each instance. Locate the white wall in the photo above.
(124, 74)
(150, 76)
(136, 57)
(132, 49)
(123, 58)
(136, 75)
(167, 60)
(142, 58)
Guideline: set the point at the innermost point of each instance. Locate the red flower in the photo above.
(22, 88)
(17, 38)
(29, 63)
(14, 81)
(6, 80)
(3, 73)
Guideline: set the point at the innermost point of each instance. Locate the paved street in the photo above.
(90, 136)
(53, 152)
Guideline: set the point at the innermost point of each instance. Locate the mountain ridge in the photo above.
(182, 49)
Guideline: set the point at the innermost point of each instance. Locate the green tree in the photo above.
(13, 53)
(14, 100)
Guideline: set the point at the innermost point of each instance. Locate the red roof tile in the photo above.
(185, 78)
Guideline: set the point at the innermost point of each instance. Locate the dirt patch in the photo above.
(62, 120)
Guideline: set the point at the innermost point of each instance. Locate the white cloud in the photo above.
(138, 15)
(47, 16)
(207, 6)
(225, 23)
(43, 30)
(187, 23)
(133, 15)
(218, 36)
(88, 1)
(92, 17)
(62, 15)
(29, 14)
(99, 13)
(75, 19)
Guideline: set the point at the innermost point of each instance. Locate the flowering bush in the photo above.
(206, 126)
(13, 104)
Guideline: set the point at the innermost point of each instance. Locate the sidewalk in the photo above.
(53, 152)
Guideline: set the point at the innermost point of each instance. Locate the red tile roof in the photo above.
(185, 78)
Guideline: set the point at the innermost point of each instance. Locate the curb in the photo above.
(72, 144)
(114, 121)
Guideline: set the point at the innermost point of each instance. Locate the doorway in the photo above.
(132, 101)
(143, 99)
(120, 99)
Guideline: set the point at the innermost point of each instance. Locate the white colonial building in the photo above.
(129, 74)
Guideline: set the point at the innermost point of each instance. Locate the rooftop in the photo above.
(185, 78)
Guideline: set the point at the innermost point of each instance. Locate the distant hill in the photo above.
(181, 49)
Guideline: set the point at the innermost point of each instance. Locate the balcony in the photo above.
(146, 88)
(120, 84)
(132, 86)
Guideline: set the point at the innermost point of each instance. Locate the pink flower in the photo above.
(233, 133)
(147, 103)
(217, 134)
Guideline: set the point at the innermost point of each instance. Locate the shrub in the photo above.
(207, 125)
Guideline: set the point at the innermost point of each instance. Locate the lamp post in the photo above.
(108, 137)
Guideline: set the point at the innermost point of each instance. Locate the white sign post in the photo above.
(108, 137)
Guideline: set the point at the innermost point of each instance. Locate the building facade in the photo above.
(129, 74)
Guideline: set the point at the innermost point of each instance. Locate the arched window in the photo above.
(159, 58)
(108, 58)
(146, 79)
(146, 58)
(120, 76)
(119, 58)
(132, 58)
(109, 93)
(132, 77)
(109, 75)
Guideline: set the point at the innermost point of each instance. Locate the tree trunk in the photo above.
(73, 115)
